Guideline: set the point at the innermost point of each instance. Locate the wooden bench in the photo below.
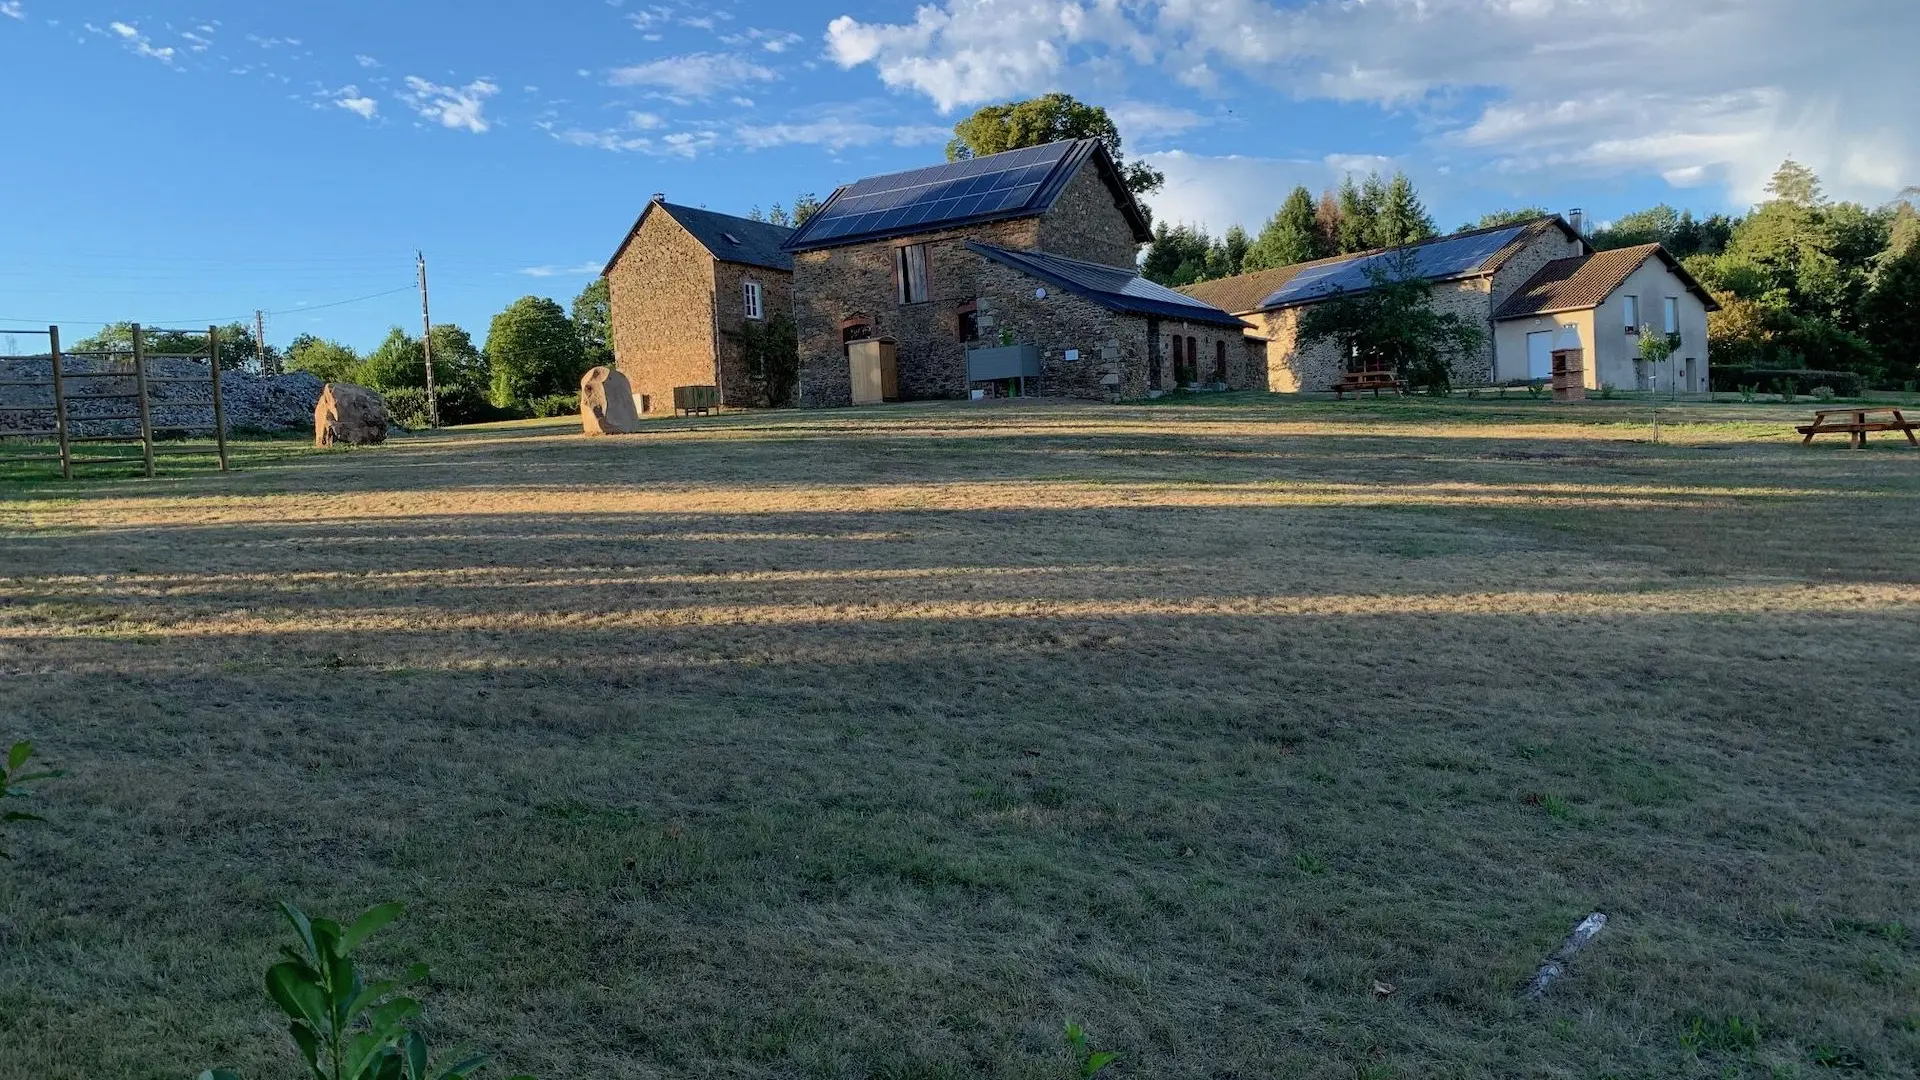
(1355, 381)
(688, 400)
(1857, 424)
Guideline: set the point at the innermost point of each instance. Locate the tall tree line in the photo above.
(1363, 215)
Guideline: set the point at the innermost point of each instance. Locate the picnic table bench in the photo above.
(1376, 381)
(1856, 425)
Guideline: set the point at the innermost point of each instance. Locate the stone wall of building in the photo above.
(833, 286)
(1103, 342)
(1289, 368)
(1209, 340)
(1550, 245)
(661, 294)
(739, 386)
(1086, 223)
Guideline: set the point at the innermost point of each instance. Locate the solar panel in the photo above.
(929, 197)
(1439, 259)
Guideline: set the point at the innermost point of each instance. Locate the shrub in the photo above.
(1787, 391)
(1606, 391)
(555, 405)
(1823, 393)
(408, 408)
(1845, 384)
(12, 775)
(458, 405)
(345, 1027)
(1749, 391)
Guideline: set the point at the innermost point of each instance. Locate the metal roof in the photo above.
(726, 237)
(1015, 183)
(1111, 287)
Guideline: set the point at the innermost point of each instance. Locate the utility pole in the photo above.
(426, 343)
(260, 341)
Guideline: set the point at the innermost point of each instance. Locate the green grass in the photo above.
(882, 742)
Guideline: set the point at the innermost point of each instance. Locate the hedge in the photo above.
(1801, 381)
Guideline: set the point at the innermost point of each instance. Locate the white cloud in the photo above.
(1143, 120)
(776, 41)
(1700, 91)
(351, 99)
(449, 106)
(693, 76)
(365, 61)
(136, 42)
(273, 42)
(12, 9)
(970, 51)
(588, 270)
(196, 42)
(838, 133)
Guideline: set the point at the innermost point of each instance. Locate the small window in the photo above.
(1673, 314)
(1631, 306)
(910, 273)
(750, 296)
(969, 322)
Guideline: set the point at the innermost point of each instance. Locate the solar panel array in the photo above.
(1124, 289)
(1439, 259)
(927, 198)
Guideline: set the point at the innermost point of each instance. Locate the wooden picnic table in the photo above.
(1376, 381)
(1857, 426)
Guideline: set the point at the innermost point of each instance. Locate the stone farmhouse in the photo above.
(682, 285)
(1007, 273)
(1607, 300)
(1474, 273)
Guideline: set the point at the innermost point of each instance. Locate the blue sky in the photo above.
(187, 160)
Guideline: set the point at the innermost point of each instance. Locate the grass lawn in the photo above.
(881, 742)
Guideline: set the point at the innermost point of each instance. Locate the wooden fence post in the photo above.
(140, 384)
(219, 408)
(60, 404)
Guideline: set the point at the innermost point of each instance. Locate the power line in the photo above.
(191, 322)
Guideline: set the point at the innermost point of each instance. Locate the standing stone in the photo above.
(606, 403)
(349, 414)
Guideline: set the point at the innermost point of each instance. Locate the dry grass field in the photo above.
(879, 743)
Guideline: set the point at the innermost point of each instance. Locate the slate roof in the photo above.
(993, 187)
(1474, 253)
(726, 237)
(1111, 287)
(1586, 282)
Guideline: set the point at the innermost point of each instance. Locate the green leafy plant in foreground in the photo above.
(1088, 1061)
(11, 777)
(345, 1027)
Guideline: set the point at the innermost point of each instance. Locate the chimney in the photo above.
(1577, 218)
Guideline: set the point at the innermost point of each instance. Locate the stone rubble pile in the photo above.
(253, 402)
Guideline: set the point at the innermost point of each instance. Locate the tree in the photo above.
(1290, 236)
(398, 363)
(533, 351)
(1326, 222)
(1357, 211)
(1891, 314)
(593, 321)
(1179, 255)
(1796, 184)
(1497, 218)
(329, 361)
(1392, 325)
(236, 343)
(805, 205)
(1401, 218)
(1045, 119)
(1235, 247)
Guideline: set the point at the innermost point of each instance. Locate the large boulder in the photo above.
(350, 415)
(606, 403)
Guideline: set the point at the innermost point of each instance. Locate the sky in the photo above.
(177, 162)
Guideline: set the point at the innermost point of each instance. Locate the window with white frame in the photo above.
(1631, 306)
(750, 296)
(910, 273)
(1673, 314)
